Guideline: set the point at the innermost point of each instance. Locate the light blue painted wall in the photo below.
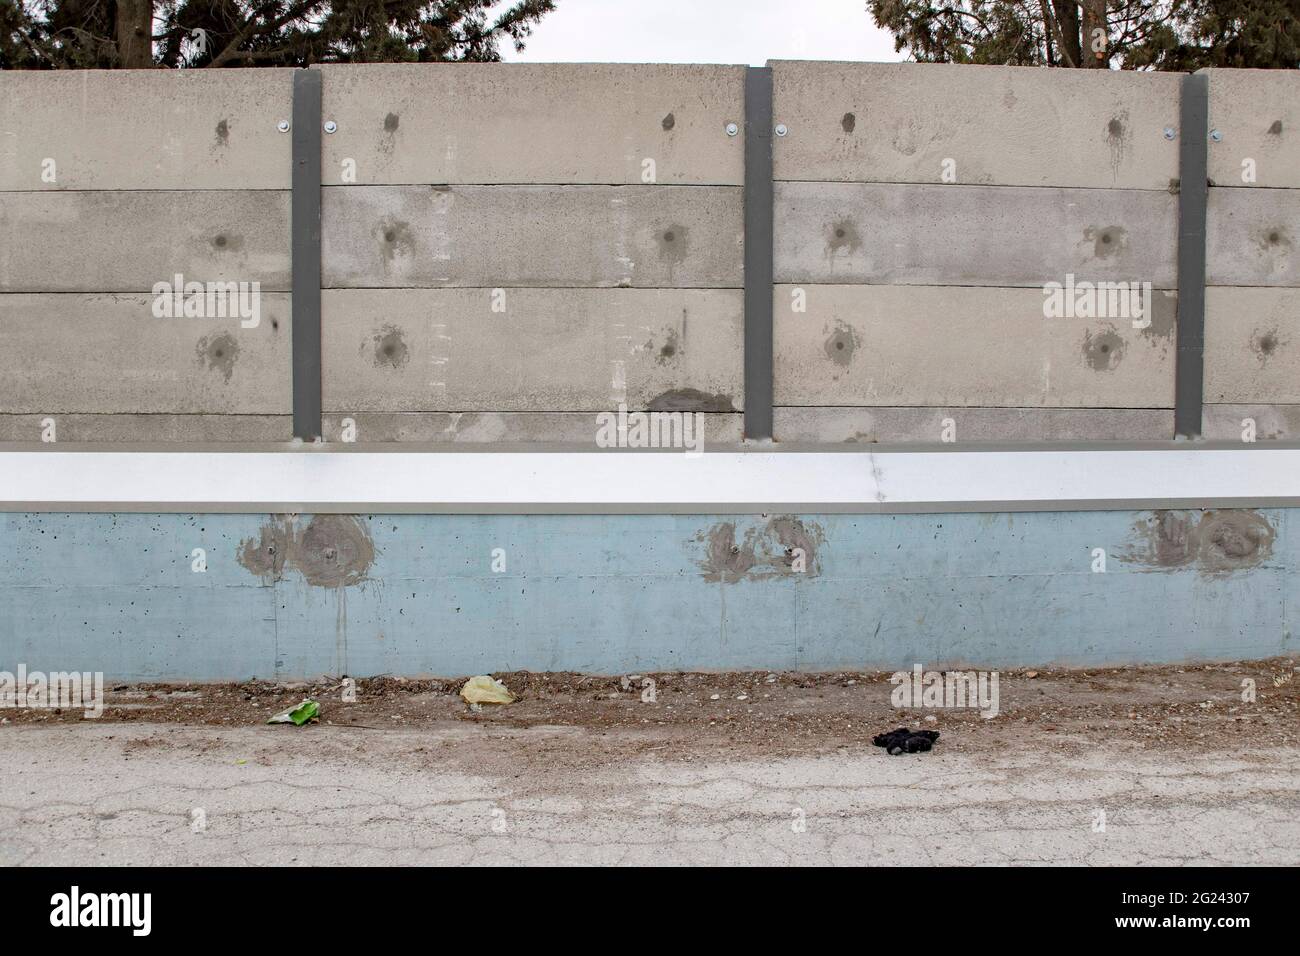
(626, 593)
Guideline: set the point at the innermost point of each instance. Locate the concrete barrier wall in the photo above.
(1252, 308)
(293, 596)
(509, 249)
(111, 182)
(920, 210)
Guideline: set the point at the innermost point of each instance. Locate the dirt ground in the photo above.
(1199, 707)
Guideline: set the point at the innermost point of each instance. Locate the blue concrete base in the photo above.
(461, 594)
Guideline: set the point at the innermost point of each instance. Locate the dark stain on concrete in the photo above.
(1264, 343)
(389, 347)
(1276, 128)
(1116, 133)
(724, 559)
(1106, 241)
(1275, 237)
(1163, 312)
(395, 239)
(1167, 539)
(791, 534)
(1175, 186)
(762, 553)
(332, 551)
(848, 122)
(1213, 542)
(1232, 540)
(669, 122)
(265, 555)
(218, 353)
(690, 400)
(841, 345)
(1103, 351)
(223, 133)
(842, 235)
(672, 244)
(388, 138)
(670, 350)
(225, 243)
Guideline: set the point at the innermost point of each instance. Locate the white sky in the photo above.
(705, 31)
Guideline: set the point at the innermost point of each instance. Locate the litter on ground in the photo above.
(904, 741)
(299, 714)
(485, 690)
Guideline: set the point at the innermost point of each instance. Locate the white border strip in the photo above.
(184, 481)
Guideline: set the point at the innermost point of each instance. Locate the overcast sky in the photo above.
(706, 31)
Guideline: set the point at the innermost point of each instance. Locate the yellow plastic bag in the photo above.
(485, 690)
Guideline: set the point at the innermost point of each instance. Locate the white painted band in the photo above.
(865, 480)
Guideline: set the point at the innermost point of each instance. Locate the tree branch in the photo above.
(232, 48)
(1055, 28)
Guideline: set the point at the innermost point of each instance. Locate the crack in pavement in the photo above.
(394, 802)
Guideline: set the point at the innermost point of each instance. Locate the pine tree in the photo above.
(1134, 34)
(137, 34)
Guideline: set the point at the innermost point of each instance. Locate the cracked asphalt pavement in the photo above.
(480, 793)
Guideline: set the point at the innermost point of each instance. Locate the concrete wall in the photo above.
(408, 594)
(111, 182)
(919, 212)
(508, 249)
(1252, 309)
(524, 246)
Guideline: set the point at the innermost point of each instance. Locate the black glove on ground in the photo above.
(904, 741)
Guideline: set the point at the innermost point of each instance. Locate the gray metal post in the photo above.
(305, 209)
(1193, 193)
(758, 252)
